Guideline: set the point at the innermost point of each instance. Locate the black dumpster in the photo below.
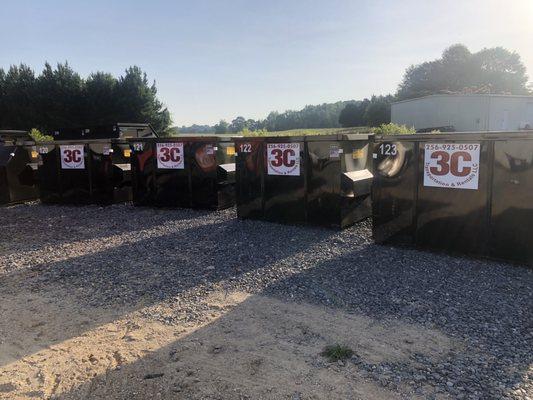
(464, 192)
(18, 160)
(186, 171)
(120, 130)
(85, 172)
(320, 180)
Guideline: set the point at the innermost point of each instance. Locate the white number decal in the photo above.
(245, 148)
(388, 149)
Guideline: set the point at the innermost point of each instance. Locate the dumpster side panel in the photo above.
(354, 207)
(49, 174)
(225, 174)
(394, 190)
(285, 195)
(512, 201)
(17, 176)
(250, 167)
(5, 195)
(101, 167)
(75, 183)
(21, 180)
(172, 184)
(203, 164)
(324, 174)
(143, 166)
(121, 172)
(453, 219)
(8, 177)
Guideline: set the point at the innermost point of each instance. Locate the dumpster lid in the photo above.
(185, 138)
(348, 134)
(86, 141)
(228, 167)
(339, 137)
(8, 135)
(270, 139)
(119, 130)
(359, 175)
(456, 136)
(123, 167)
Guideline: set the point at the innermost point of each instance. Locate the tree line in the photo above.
(327, 115)
(59, 97)
(488, 71)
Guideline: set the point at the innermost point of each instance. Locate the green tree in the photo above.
(221, 127)
(378, 111)
(353, 114)
(101, 99)
(59, 97)
(17, 92)
(138, 101)
(238, 124)
(493, 70)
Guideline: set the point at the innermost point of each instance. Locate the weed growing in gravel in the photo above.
(337, 352)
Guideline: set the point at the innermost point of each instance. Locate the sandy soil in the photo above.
(250, 346)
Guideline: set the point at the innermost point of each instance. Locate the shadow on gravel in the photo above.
(150, 271)
(261, 348)
(451, 326)
(487, 305)
(33, 226)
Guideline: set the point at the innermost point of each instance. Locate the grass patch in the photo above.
(337, 352)
(306, 132)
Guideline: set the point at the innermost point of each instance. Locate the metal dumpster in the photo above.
(464, 192)
(18, 160)
(320, 180)
(120, 130)
(84, 172)
(185, 171)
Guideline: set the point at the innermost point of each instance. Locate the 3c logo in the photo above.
(72, 156)
(281, 157)
(450, 164)
(169, 154)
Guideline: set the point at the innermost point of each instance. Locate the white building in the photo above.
(466, 112)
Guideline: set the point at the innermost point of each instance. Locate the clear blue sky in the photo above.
(220, 59)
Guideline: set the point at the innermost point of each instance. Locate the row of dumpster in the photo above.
(463, 192)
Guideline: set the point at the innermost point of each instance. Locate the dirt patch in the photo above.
(252, 346)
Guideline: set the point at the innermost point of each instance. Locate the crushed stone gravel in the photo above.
(124, 255)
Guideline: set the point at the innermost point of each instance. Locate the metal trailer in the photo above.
(185, 171)
(464, 193)
(317, 180)
(18, 161)
(84, 172)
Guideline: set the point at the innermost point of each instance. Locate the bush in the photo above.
(39, 137)
(393, 129)
(258, 132)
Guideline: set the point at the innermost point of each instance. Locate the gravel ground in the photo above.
(124, 256)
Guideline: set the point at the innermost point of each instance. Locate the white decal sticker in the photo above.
(283, 159)
(452, 165)
(170, 156)
(72, 156)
